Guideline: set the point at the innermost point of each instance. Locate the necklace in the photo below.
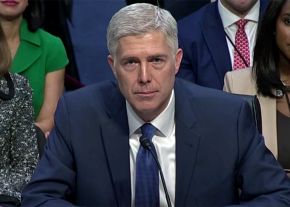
(14, 47)
(287, 87)
(280, 93)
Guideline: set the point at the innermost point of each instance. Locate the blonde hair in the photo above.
(5, 54)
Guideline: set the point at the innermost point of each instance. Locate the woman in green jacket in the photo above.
(36, 55)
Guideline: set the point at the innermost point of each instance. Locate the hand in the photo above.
(46, 136)
(287, 171)
(43, 126)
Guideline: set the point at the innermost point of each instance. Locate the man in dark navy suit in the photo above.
(178, 8)
(205, 140)
(211, 37)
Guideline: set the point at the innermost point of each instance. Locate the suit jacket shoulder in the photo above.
(206, 99)
(180, 9)
(240, 82)
(100, 100)
(192, 22)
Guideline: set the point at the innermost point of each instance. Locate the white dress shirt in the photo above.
(164, 142)
(229, 19)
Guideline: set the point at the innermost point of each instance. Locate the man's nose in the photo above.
(144, 75)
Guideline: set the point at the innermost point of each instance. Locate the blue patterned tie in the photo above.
(147, 177)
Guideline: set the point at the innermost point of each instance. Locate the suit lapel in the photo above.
(269, 120)
(115, 134)
(215, 39)
(187, 142)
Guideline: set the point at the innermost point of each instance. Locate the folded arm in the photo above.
(54, 83)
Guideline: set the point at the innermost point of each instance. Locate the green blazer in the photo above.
(39, 53)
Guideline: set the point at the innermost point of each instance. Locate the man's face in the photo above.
(145, 69)
(239, 7)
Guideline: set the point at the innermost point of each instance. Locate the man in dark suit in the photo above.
(180, 9)
(93, 156)
(209, 36)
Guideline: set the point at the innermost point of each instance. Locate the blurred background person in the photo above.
(269, 79)
(178, 9)
(87, 29)
(58, 16)
(219, 37)
(36, 55)
(18, 145)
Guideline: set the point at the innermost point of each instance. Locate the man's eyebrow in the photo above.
(157, 56)
(149, 57)
(128, 58)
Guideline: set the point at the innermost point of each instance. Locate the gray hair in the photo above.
(139, 19)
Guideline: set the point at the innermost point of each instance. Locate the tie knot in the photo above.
(241, 23)
(148, 130)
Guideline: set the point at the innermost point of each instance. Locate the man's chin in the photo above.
(145, 110)
(145, 113)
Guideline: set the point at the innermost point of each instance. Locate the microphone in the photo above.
(145, 142)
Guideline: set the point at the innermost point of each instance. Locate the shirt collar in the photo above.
(163, 122)
(228, 18)
(27, 35)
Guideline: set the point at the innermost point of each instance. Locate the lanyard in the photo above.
(236, 49)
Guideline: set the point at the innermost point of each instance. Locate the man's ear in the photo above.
(178, 58)
(111, 63)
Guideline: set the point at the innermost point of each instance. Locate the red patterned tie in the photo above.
(242, 44)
